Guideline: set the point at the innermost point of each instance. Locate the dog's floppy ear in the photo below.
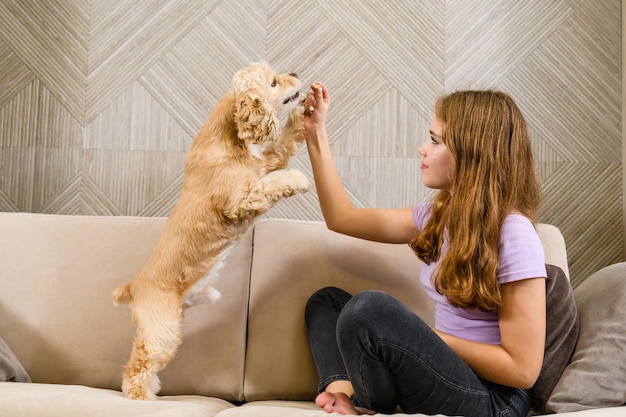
(256, 120)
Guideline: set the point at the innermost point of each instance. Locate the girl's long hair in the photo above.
(494, 175)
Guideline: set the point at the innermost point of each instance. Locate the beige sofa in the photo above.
(246, 355)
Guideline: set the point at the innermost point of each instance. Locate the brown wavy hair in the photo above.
(494, 175)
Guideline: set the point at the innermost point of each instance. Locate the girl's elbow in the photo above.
(528, 377)
(333, 226)
(527, 383)
(337, 223)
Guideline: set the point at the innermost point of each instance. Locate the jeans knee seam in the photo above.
(366, 393)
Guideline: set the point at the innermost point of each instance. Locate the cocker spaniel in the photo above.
(234, 172)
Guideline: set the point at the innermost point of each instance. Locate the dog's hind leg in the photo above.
(158, 321)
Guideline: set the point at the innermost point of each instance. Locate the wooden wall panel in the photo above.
(100, 100)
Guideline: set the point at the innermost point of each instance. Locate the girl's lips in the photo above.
(423, 166)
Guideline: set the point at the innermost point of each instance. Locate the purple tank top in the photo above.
(521, 257)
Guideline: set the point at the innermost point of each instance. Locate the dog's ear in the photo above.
(256, 120)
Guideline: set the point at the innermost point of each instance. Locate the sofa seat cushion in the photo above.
(308, 409)
(52, 400)
(290, 409)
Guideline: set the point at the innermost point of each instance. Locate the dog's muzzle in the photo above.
(292, 98)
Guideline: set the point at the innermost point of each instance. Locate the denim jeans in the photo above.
(392, 358)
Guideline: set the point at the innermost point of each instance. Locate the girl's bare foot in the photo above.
(335, 402)
(338, 402)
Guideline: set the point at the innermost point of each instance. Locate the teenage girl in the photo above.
(483, 265)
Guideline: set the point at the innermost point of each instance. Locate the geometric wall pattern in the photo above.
(100, 100)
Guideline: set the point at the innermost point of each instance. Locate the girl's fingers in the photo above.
(309, 104)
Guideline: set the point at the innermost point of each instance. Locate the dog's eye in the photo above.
(274, 82)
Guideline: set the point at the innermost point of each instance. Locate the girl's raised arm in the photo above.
(383, 225)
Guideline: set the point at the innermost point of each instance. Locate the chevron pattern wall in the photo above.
(100, 99)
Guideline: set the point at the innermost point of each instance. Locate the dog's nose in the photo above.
(293, 74)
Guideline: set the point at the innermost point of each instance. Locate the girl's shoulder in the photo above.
(520, 248)
(421, 213)
(515, 222)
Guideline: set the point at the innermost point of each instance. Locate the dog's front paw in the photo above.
(298, 134)
(296, 118)
(300, 182)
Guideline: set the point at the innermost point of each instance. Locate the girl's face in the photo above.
(437, 166)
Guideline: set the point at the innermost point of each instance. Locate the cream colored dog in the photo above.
(234, 172)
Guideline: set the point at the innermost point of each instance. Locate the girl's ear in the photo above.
(257, 121)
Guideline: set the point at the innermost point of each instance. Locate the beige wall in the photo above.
(99, 100)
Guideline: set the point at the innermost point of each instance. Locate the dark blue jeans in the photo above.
(392, 358)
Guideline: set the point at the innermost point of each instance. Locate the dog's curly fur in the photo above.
(235, 171)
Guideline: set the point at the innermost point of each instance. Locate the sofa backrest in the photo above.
(56, 312)
(57, 273)
(292, 260)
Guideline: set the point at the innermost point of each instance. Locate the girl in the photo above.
(483, 265)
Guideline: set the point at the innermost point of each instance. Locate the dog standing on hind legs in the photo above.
(234, 172)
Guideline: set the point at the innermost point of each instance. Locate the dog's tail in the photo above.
(122, 294)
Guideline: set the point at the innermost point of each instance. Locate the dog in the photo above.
(235, 171)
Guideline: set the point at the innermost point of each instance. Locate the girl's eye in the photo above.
(274, 82)
(433, 140)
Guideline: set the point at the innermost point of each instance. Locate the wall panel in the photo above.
(100, 100)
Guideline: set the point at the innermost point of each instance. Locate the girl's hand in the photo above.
(316, 108)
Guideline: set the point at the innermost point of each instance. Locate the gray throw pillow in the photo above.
(11, 369)
(561, 335)
(596, 376)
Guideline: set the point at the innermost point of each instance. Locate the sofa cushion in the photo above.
(292, 409)
(10, 367)
(53, 400)
(561, 334)
(596, 376)
(57, 314)
(292, 260)
(553, 246)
